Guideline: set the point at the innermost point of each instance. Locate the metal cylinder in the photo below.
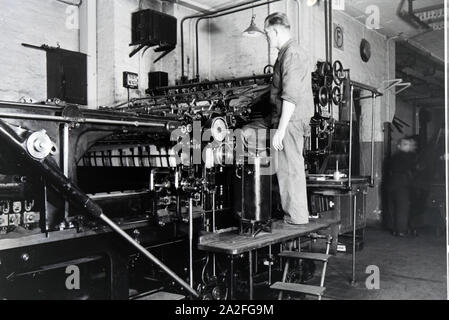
(256, 190)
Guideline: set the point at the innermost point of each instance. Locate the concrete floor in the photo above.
(410, 268)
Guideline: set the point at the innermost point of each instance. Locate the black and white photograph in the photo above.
(247, 153)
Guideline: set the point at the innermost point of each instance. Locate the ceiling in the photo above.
(420, 50)
(390, 23)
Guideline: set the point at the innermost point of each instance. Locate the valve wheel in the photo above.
(323, 96)
(337, 97)
(339, 75)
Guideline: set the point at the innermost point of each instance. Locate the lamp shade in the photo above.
(253, 30)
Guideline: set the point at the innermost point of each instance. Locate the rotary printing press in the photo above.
(101, 189)
(124, 192)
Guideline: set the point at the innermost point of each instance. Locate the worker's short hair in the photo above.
(277, 19)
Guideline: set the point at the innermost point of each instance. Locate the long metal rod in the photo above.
(191, 242)
(269, 265)
(28, 105)
(212, 16)
(214, 229)
(145, 252)
(82, 120)
(106, 196)
(351, 129)
(251, 280)
(373, 138)
(326, 29)
(354, 239)
(65, 160)
(330, 31)
(199, 16)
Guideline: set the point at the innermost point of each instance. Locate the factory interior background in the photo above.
(399, 91)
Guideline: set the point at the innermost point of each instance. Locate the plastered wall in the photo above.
(37, 22)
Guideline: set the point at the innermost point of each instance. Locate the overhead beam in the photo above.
(191, 5)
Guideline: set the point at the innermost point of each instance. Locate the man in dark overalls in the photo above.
(400, 170)
(292, 99)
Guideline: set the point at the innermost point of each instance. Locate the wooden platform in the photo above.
(234, 244)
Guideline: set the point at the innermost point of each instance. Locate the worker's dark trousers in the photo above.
(399, 209)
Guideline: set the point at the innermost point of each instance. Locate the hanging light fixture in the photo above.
(253, 30)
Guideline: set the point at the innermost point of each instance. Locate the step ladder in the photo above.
(316, 291)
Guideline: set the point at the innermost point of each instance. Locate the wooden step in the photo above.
(299, 288)
(305, 255)
(162, 296)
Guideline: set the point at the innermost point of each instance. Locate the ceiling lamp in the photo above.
(253, 30)
(311, 3)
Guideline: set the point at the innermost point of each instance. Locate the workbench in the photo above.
(349, 206)
(233, 244)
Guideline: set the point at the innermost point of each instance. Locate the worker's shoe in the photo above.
(291, 222)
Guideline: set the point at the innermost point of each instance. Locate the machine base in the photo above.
(253, 228)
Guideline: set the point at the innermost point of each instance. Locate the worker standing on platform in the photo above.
(293, 107)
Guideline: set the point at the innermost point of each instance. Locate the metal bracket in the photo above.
(393, 83)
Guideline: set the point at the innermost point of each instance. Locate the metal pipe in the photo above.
(298, 17)
(269, 265)
(65, 153)
(326, 30)
(214, 224)
(65, 161)
(212, 16)
(214, 229)
(351, 129)
(145, 252)
(268, 42)
(79, 120)
(22, 104)
(191, 242)
(373, 138)
(330, 27)
(354, 238)
(251, 281)
(199, 16)
(106, 196)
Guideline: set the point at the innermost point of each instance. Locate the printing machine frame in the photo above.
(48, 145)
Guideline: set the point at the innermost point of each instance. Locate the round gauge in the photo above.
(219, 129)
